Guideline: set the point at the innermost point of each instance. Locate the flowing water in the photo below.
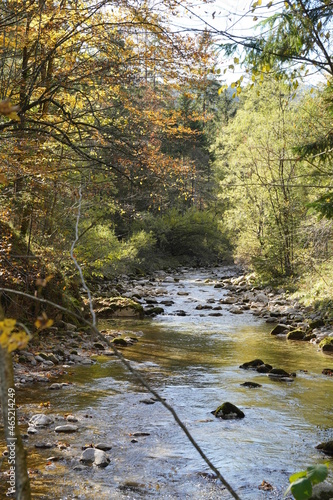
(193, 362)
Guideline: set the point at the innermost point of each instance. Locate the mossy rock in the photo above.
(317, 323)
(327, 344)
(120, 307)
(153, 311)
(119, 341)
(228, 411)
(296, 335)
(279, 328)
(309, 336)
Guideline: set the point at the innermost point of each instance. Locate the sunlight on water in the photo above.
(193, 361)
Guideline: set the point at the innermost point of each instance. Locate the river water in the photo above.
(193, 362)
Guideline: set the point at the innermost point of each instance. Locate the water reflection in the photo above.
(193, 361)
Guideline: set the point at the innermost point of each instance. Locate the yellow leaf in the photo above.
(43, 322)
(11, 339)
(236, 60)
(3, 179)
(7, 109)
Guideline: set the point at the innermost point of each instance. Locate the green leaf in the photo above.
(302, 489)
(317, 473)
(297, 475)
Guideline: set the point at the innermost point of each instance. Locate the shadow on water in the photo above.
(193, 361)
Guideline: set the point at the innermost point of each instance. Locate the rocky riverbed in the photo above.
(67, 344)
(210, 301)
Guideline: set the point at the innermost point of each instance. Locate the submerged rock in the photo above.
(265, 368)
(279, 373)
(252, 385)
(252, 364)
(228, 411)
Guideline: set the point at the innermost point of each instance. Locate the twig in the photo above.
(138, 376)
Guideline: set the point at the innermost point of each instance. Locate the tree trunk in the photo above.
(18, 479)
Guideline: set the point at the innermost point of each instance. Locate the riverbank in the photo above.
(63, 345)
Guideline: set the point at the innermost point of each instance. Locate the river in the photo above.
(193, 362)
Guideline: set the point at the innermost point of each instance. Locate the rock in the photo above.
(71, 418)
(326, 344)
(228, 411)
(252, 385)
(119, 341)
(55, 387)
(235, 310)
(103, 446)
(41, 420)
(326, 447)
(167, 302)
(180, 312)
(252, 364)
(317, 323)
(153, 311)
(44, 445)
(32, 430)
(98, 345)
(309, 336)
(280, 328)
(262, 298)
(67, 428)
(151, 301)
(228, 300)
(265, 368)
(322, 491)
(118, 307)
(279, 373)
(95, 456)
(296, 335)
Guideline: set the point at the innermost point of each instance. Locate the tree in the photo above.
(260, 177)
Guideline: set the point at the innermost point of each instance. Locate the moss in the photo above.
(327, 344)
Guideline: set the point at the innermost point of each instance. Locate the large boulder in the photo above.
(119, 307)
(228, 411)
